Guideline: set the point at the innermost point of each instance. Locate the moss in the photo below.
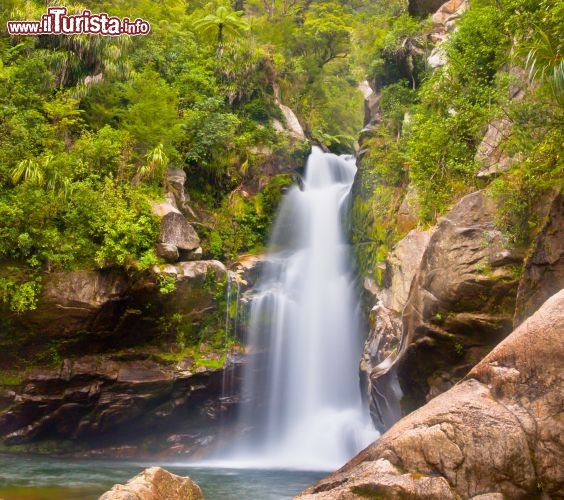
(12, 378)
(44, 447)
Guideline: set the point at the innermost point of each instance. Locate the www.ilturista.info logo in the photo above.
(57, 22)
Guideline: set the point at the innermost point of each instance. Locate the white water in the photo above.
(301, 399)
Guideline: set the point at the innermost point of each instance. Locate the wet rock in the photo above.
(96, 400)
(248, 269)
(384, 340)
(377, 371)
(177, 231)
(544, 268)
(155, 483)
(196, 270)
(497, 434)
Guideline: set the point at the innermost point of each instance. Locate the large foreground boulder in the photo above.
(497, 434)
(155, 483)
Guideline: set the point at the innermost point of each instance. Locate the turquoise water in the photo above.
(40, 478)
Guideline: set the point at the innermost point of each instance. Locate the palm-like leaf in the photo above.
(544, 61)
(28, 171)
(224, 21)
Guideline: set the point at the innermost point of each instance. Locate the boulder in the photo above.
(461, 301)
(444, 23)
(175, 181)
(194, 254)
(162, 208)
(544, 268)
(447, 14)
(167, 252)
(155, 483)
(177, 231)
(497, 434)
(437, 58)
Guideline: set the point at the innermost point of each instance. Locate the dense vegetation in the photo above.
(89, 124)
(504, 62)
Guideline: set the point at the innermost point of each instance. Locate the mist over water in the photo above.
(301, 404)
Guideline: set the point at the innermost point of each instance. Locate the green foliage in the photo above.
(455, 106)
(544, 60)
(243, 221)
(20, 296)
(434, 150)
(396, 100)
(167, 284)
(223, 22)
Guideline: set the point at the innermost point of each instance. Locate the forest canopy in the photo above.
(89, 124)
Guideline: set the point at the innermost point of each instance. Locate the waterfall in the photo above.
(301, 405)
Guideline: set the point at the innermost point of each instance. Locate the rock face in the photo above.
(372, 112)
(110, 307)
(490, 153)
(460, 305)
(408, 212)
(461, 302)
(155, 484)
(175, 180)
(76, 301)
(423, 8)
(136, 381)
(444, 23)
(497, 434)
(401, 266)
(544, 269)
(114, 400)
(448, 13)
(382, 346)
